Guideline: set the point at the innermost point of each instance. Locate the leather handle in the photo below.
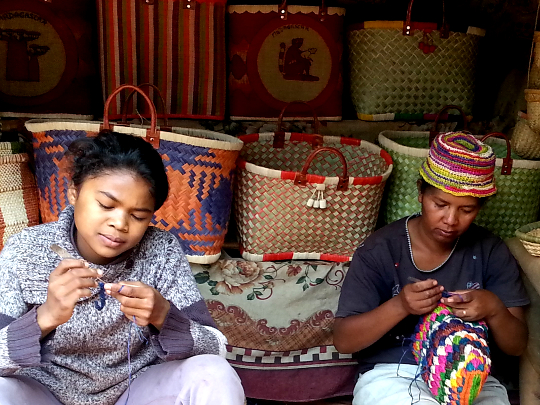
(433, 133)
(506, 168)
(152, 135)
(283, 10)
(301, 177)
(279, 136)
(130, 96)
(408, 28)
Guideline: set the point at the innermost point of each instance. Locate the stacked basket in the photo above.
(283, 212)
(199, 164)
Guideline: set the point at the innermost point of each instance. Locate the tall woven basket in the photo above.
(200, 166)
(18, 192)
(284, 213)
(516, 203)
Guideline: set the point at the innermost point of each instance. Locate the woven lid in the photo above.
(461, 165)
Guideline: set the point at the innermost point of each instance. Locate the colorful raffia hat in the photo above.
(461, 165)
(453, 355)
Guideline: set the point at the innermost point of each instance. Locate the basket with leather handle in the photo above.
(307, 196)
(404, 70)
(199, 165)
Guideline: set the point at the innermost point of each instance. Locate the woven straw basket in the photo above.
(284, 213)
(529, 235)
(199, 164)
(516, 203)
(18, 192)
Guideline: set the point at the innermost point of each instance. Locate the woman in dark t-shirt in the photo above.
(400, 272)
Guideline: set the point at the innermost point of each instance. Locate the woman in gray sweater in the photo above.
(119, 318)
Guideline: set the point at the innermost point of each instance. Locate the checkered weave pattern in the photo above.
(18, 193)
(390, 74)
(453, 355)
(461, 165)
(516, 203)
(199, 165)
(271, 211)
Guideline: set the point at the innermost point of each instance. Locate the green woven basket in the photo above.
(516, 203)
(529, 235)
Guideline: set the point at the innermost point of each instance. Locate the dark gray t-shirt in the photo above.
(380, 268)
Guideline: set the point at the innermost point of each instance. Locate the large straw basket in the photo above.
(279, 206)
(516, 203)
(199, 164)
(529, 235)
(18, 192)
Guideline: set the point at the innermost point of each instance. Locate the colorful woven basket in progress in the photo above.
(18, 192)
(516, 203)
(199, 164)
(404, 70)
(453, 355)
(284, 213)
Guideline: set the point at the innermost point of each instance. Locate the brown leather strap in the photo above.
(408, 27)
(282, 10)
(343, 182)
(165, 127)
(506, 168)
(279, 136)
(152, 135)
(433, 133)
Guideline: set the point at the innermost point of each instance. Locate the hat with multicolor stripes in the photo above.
(461, 165)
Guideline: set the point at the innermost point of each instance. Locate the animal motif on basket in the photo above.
(453, 355)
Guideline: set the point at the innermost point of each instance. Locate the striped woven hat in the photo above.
(461, 165)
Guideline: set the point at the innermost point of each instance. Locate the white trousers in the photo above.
(385, 385)
(199, 380)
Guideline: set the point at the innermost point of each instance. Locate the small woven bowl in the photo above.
(529, 235)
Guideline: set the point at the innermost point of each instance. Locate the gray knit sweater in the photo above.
(84, 361)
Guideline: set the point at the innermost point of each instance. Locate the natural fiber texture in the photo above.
(453, 355)
(274, 221)
(516, 203)
(390, 74)
(529, 235)
(178, 45)
(525, 142)
(461, 165)
(199, 165)
(18, 193)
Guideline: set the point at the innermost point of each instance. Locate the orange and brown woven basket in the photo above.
(200, 166)
(283, 212)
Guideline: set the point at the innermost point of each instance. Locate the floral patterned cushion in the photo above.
(277, 317)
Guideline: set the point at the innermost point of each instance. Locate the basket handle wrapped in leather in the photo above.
(279, 136)
(343, 182)
(408, 28)
(433, 133)
(165, 127)
(506, 168)
(283, 11)
(152, 134)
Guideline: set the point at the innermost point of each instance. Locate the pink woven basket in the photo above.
(283, 212)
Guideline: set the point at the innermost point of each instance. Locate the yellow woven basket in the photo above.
(529, 235)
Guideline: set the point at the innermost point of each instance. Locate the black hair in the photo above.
(112, 151)
(424, 186)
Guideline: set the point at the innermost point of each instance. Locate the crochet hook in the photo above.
(63, 253)
(416, 280)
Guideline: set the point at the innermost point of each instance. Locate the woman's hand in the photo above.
(474, 305)
(69, 282)
(141, 301)
(421, 297)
